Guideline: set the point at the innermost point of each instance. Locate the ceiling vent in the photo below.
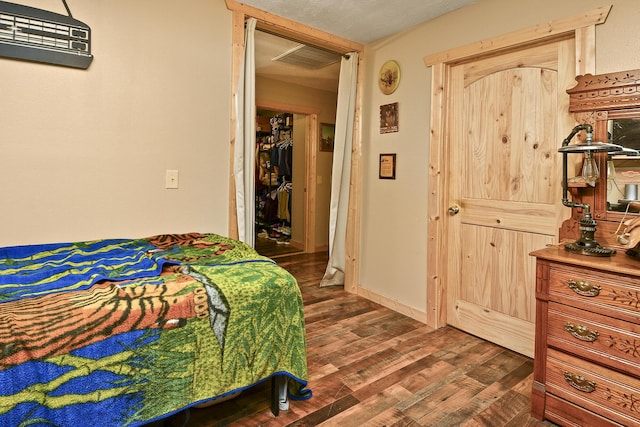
(309, 57)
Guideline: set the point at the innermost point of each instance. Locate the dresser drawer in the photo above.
(602, 339)
(595, 388)
(607, 294)
(567, 414)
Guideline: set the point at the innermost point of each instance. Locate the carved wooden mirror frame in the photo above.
(595, 100)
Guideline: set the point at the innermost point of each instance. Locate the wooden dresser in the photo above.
(587, 351)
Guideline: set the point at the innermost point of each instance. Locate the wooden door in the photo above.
(505, 126)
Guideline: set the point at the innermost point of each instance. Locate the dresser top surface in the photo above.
(617, 263)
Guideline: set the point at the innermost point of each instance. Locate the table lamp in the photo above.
(586, 244)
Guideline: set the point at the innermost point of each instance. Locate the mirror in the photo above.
(611, 104)
(625, 132)
(623, 172)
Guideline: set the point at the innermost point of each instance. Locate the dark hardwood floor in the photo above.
(370, 366)
(272, 248)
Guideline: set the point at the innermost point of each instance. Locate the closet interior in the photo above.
(274, 176)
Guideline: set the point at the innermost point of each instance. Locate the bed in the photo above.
(129, 331)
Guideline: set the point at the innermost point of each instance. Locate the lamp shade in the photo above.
(589, 145)
(594, 147)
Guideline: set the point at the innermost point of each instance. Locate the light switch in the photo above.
(171, 179)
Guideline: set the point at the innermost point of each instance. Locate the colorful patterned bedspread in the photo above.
(123, 332)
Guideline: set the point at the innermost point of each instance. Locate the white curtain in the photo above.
(244, 152)
(341, 173)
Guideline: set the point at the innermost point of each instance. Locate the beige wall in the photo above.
(84, 153)
(273, 91)
(394, 213)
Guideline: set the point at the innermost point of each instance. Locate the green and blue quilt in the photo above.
(126, 331)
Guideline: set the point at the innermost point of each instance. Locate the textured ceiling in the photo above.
(361, 21)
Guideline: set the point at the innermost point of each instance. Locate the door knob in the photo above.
(453, 209)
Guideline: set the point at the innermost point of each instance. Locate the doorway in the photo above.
(309, 97)
(280, 182)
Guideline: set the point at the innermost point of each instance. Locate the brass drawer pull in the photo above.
(579, 382)
(581, 332)
(584, 288)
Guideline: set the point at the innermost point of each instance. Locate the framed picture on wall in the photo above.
(389, 118)
(387, 167)
(327, 136)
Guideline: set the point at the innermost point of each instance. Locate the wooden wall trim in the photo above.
(313, 132)
(585, 50)
(436, 250)
(551, 29)
(352, 239)
(392, 304)
(294, 30)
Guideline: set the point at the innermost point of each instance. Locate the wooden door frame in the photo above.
(305, 34)
(581, 28)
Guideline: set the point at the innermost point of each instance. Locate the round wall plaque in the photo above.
(389, 77)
